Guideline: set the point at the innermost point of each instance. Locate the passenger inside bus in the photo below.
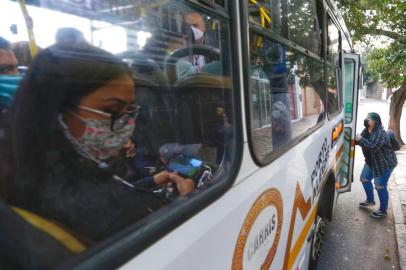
(175, 97)
(269, 66)
(69, 36)
(201, 35)
(287, 94)
(9, 81)
(74, 113)
(22, 52)
(8, 61)
(72, 116)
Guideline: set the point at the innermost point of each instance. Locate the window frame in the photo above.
(352, 94)
(339, 66)
(134, 239)
(249, 26)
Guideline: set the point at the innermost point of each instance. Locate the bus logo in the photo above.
(258, 239)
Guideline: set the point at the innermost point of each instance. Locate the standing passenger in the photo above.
(380, 160)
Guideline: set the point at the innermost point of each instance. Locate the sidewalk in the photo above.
(397, 189)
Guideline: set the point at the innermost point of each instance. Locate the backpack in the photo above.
(393, 141)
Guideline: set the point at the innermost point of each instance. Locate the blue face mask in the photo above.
(8, 88)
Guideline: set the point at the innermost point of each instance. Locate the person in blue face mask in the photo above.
(9, 82)
(9, 75)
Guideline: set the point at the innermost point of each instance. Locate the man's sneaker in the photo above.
(379, 214)
(366, 204)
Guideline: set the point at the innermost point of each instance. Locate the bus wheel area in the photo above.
(327, 198)
(316, 241)
(324, 214)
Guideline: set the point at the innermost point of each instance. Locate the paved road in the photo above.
(354, 240)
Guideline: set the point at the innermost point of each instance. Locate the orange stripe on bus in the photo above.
(339, 151)
(352, 153)
(302, 238)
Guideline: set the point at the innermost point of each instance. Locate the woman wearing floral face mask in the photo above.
(73, 114)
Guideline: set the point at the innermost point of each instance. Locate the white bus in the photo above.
(254, 100)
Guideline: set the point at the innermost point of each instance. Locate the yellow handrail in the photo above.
(29, 25)
(265, 19)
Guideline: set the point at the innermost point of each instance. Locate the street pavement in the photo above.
(397, 189)
(353, 239)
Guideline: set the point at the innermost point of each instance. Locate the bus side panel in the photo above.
(231, 233)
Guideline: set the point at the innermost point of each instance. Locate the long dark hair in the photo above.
(58, 78)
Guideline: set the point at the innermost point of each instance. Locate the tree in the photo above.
(369, 19)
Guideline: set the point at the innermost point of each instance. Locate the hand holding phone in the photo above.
(186, 167)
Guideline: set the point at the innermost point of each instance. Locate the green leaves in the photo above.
(387, 65)
(374, 17)
(377, 18)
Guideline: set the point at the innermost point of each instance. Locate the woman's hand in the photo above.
(129, 147)
(162, 178)
(358, 137)
(184, 185)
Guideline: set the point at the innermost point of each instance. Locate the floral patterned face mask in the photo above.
(99, 142)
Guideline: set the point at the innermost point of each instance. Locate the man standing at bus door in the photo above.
(380, 160)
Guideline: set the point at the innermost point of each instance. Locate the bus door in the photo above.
(351, 76)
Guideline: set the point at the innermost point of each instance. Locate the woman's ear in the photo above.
(75, 126)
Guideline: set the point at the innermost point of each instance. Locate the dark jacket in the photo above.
(367, 154)
(377, 150)
(85, 198)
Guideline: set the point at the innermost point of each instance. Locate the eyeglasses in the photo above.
(118, 121)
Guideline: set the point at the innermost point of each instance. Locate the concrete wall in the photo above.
(374, 90)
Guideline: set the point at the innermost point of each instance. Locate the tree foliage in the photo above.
(365, 18)
(382, 65)
(368, 19)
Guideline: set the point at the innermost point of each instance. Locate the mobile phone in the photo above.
(186, 167)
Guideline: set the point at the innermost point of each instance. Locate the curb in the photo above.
(396, 200)
(400, 228)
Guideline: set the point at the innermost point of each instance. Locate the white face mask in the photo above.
(197, 33)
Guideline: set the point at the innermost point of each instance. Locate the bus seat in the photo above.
(26, 241)
(203, 103)
(154, 125)
(169, 150)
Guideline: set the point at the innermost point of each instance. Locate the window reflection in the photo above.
(334, 98)
(267, 14)
(333, 45)
(304, 25)
(293, 85)
(120, 130)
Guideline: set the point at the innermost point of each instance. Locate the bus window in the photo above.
(125, 109)
(334, 99)
(304, 26)
(333, 41)
(333, 103)
(349, 80)
(286, 95)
